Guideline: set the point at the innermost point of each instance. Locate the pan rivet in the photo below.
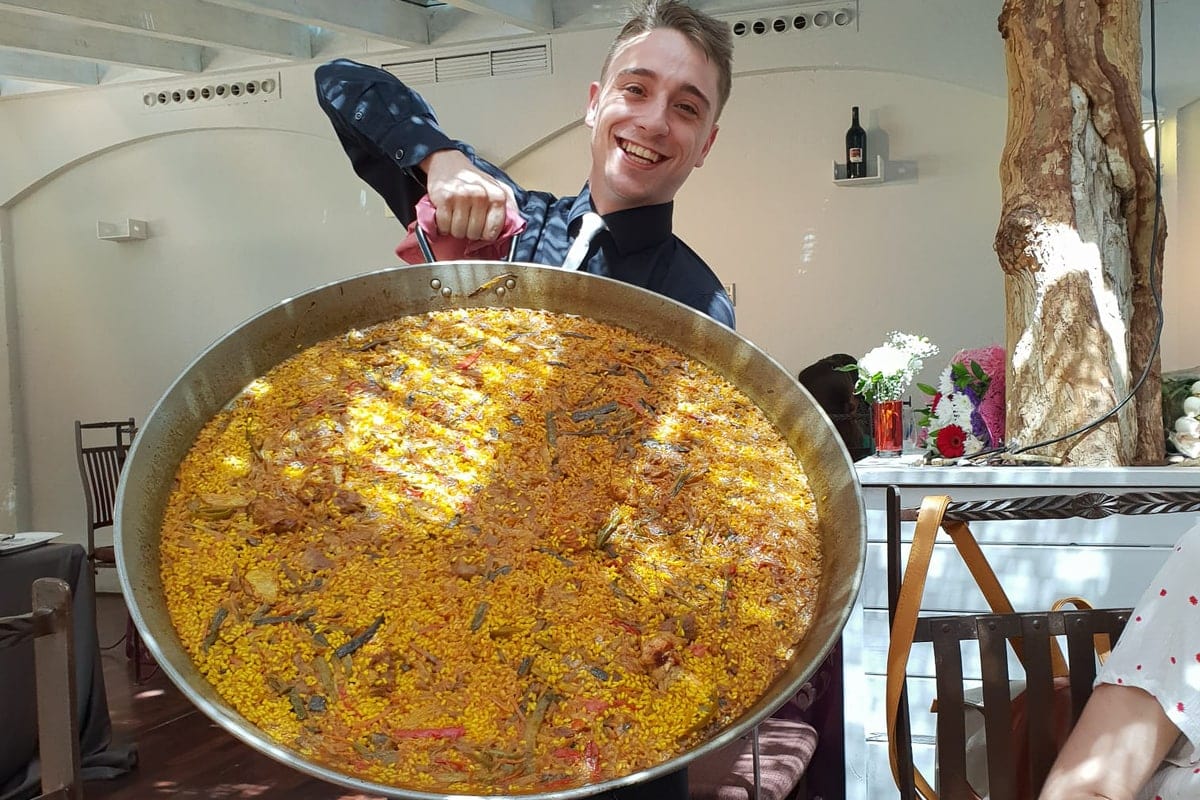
(447, 291)
(511, 283)
(435, 284)
(501, 291)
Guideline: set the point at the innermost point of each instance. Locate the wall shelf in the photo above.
(840, 179)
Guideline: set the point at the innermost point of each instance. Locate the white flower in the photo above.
(1191, 406)
(886, 361)
(945, 383)
(916, 346)
(1196, 388)
(961, 409)
(1188, 426)
(886, 371)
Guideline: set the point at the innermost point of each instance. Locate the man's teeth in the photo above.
(641, 152)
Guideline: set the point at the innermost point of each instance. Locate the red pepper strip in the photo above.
(591, 758)
(567, 754)
(469, 361)
(456, 732)
(594, 705)
(633, 405)
(698, 649)
(626, 626)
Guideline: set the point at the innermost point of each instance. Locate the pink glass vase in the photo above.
(887, 418)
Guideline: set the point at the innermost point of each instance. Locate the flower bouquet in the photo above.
(966, 410)
(885, 372)
(883, 375)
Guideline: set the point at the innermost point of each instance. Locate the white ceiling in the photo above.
(46, 44)
(51, 44)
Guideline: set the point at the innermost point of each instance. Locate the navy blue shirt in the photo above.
(387, 130)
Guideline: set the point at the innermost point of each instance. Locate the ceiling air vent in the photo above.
(507, 63)
(461, 68)
(414, 72)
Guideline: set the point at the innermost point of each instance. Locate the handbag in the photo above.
(930, 519)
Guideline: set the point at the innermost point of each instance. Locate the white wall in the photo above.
(250, 203)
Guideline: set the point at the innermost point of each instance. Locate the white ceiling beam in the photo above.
(45, 69)
(532, 15)
(389, 20)
(34, 35)
(193, 23)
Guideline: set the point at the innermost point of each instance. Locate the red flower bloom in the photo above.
(951, 441)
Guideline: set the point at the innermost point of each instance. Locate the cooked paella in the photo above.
(490, 551)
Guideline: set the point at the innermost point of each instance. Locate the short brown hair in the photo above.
(708, 33)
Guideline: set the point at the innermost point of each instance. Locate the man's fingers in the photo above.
(459, 218)
(494, 222)
(470, 204)
(477, 223)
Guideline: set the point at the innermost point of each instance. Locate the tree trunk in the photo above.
(1075, 233)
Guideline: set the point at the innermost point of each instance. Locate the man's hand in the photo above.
(470, 204)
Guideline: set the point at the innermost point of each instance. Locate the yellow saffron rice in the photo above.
(490, 551)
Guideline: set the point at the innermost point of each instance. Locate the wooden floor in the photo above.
(181, 752)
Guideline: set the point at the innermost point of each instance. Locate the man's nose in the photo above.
(654, 118)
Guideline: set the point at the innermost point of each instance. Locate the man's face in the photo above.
(653, 120)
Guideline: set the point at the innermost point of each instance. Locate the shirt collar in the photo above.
(632, 229)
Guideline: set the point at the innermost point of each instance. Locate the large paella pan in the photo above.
(207, 389)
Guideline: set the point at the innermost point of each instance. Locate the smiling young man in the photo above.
(653, 119)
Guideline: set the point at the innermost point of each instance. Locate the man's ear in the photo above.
(589, 118)
(712, 137)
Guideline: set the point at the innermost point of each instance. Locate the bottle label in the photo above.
(856, 155)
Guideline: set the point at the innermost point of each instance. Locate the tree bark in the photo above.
(1075, 233)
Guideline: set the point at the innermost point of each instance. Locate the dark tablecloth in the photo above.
(19, 774)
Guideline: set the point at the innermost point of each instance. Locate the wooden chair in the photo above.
(992, 630)
(49, 625)
(1045, 722)
(100, 470)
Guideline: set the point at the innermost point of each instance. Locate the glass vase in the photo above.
(887, 417)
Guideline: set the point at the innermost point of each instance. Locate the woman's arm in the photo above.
(1120, 739)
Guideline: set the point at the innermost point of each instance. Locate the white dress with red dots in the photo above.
(1159, 652)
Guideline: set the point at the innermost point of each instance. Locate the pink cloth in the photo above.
(447, 248)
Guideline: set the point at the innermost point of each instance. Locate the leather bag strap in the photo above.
(1102, 642)
(931, 518)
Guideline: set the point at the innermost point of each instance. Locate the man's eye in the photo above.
(634, 89)
(689, 109)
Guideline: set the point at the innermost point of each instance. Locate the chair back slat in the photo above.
(1039, 696)
(994, 631)
(1082, 653)
(951, 728)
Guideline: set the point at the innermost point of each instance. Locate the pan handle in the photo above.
(423, 243)
(427, 251)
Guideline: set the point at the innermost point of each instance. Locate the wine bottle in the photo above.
(856, 148)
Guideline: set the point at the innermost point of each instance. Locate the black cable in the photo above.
(1154, 289)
